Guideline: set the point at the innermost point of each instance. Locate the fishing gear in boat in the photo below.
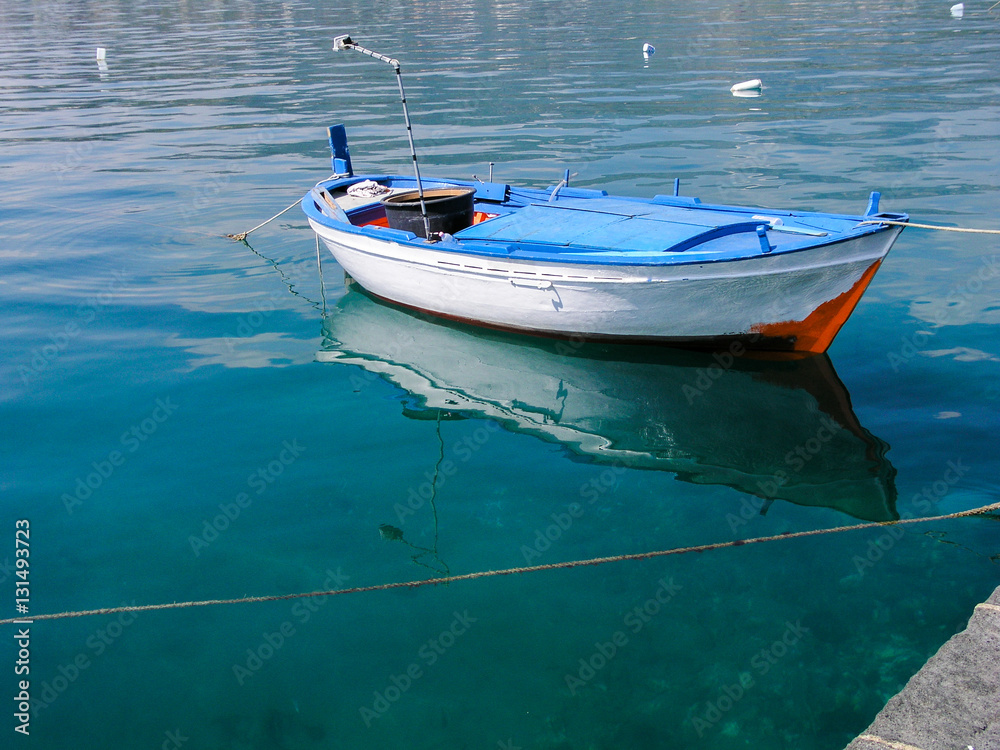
(345, 42)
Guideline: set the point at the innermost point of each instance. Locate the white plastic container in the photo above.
(752, 85)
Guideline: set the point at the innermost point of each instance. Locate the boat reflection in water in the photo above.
(774, 429)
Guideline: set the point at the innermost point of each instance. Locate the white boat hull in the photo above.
(796, 301)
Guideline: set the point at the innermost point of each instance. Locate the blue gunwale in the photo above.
(703, 233)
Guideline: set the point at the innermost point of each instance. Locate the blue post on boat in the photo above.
(340, 154)
(873, 200)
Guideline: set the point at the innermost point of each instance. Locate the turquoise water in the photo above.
(189, 418)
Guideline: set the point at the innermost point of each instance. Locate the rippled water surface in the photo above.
(189, 418)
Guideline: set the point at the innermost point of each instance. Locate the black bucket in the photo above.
(448, 210)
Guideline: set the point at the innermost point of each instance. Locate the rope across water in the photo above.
(995, 507)
(937, 227)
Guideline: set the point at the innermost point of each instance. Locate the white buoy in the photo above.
(647, 50)
(752, 85)
(101, 53)
(958, 10)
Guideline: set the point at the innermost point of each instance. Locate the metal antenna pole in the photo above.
(345, 42)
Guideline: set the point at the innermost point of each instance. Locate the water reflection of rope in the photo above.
(322, 284)
(288, 282)
(394, 534)
(986, 509)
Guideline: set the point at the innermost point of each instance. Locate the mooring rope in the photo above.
(506, 571)
(938, 227)
(243, 235)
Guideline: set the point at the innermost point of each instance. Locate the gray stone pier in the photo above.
(953, 703)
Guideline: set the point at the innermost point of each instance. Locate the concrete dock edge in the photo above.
(953, 702)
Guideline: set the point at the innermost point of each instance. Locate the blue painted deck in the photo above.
(589, 226)
(609, 224)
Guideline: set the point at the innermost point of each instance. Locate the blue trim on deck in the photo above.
(584, 226)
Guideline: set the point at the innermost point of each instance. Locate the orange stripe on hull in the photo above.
(816, 332)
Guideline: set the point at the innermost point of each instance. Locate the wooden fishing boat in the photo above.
(580, 263)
